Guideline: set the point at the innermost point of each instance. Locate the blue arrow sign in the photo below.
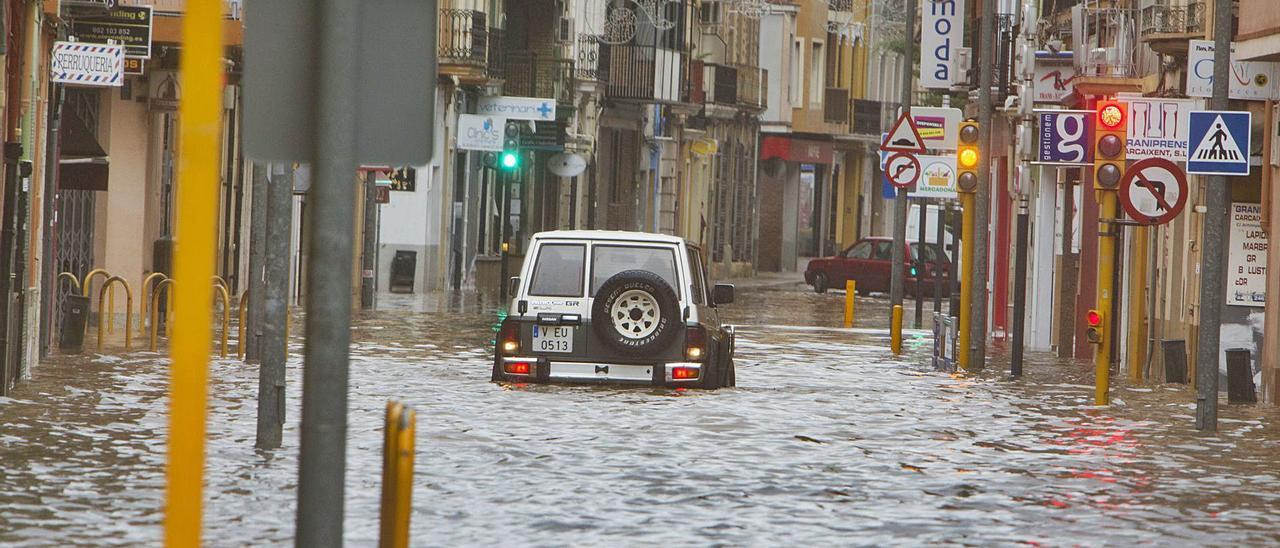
(1218, 142)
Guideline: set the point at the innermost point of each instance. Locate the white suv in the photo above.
(615, 307)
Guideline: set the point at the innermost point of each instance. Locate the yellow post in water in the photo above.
(966, 292)
(1106, 273)
(850, 288)
(1138, 305)
(397, 475)
(201, 116)
(895, 330)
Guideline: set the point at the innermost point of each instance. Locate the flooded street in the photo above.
(828, 439)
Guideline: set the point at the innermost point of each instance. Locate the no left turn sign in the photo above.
(1153, 191)
(902, 170)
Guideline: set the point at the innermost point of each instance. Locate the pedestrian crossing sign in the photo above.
(1218, 142)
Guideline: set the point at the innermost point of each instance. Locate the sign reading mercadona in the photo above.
(518, 108)
(477, 132)
(940, 37)
(82, 64)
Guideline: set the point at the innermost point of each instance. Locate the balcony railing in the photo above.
(1105, 46)
(464, 37)
(1004, 42)
(835, 106)
(721, 83)
(753, 84)
(840, 5)
(497, 65)
(532, 75)
(645, 73)
(591, 65)
(866, 118)
(1189, 19)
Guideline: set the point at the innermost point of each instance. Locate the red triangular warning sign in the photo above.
(904, 137)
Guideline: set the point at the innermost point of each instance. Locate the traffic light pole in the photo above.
(896, 278)
(1212, 259)
(1106, 280)
(966, 285)
(1020, 289)
(981, 203)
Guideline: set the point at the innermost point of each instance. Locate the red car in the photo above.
(867, 263)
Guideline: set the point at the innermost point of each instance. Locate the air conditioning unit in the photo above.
(963, 65)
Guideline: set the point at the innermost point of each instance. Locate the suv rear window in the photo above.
(558, 271)
(609, 260)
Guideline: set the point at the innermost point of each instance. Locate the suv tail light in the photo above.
(518, 368)
(509, 338)
(695, 343)
(684, 373)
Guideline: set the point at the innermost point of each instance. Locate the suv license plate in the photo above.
(552, 339)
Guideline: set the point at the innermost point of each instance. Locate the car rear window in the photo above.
(608, 260)
(929, 252)
(558, 271)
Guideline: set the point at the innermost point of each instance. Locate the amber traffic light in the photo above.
(967, 152)
(1109, 136)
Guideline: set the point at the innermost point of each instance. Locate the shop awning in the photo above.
(805, 151)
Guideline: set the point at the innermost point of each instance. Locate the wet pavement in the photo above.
(828, 439)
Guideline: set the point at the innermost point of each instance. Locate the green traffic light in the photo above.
(510, 160)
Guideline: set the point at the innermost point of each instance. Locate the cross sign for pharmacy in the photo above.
(1153, 191)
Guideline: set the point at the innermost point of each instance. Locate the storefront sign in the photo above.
(477, 132)
(518, 108)
(1249, 80)
(938, 179)
(1158, 127)
(1247, 257)
(1064, 137)
(1053, 78)
(75, 63)
(130, 26)
(795, 150)
(940, 37)
(939, 127)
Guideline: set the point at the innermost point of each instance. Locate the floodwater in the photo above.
(828, 439)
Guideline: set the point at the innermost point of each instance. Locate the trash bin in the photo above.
(403, 269)
(75, 315)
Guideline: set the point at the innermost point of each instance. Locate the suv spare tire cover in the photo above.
(636, 312)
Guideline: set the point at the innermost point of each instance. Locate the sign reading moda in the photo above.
(941, 35)
(1247, 257)
(518, 108)
(77, 63)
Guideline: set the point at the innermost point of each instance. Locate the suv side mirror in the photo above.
(512, 285)
(722, 294)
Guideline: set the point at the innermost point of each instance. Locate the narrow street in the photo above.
(826, 437)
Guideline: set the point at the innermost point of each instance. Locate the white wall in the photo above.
(775, 57)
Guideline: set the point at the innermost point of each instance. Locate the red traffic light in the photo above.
(1110, 115)
(1094, 318)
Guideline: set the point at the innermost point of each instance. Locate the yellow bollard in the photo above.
(202, 83)
(87, 283)
(103, 319)
(75, 282)
(221, 292)
(850, 288)
(895, 330)
(242, 315)
(144, 305)
(397, 475)
(165, 284)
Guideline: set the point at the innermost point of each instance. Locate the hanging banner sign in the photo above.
(1158, 127)
(1065, 137)
(81, 64)
(941, 35)
(1247, 257)
(1249, 80)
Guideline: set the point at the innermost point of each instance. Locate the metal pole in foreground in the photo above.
(1215, 220)
(369, 245)
(274, 346)
(896, 278)
(1020, 289)
(201, 112)
(922, 261)
(322, 458)
(982, 200)
(257, 256)
(938, 277)
(505, 214)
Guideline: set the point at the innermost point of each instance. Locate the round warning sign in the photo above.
(902, 170)
(1153, 191)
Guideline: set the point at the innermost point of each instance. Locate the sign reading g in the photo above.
(1064, 137)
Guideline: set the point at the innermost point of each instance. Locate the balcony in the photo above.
(464, 37)
(1004, 42)
(835, 106)
(531, 74)
(1105, 51)
(721, 84)
(591, 63)
(645, 74)
(1168, 28)
(497, 64)
(866, 118)
(843, 6)
(753, 87)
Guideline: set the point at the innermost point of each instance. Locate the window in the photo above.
(796, 91)
(859, 251)
(608, 260)
(884, 251)
(699, 281)
(817, 74)
(931, 252)
(558, 271)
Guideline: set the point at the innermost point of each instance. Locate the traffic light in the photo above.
(1110, 132)
(1094, 332)
(509, 159)
(967, 151)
